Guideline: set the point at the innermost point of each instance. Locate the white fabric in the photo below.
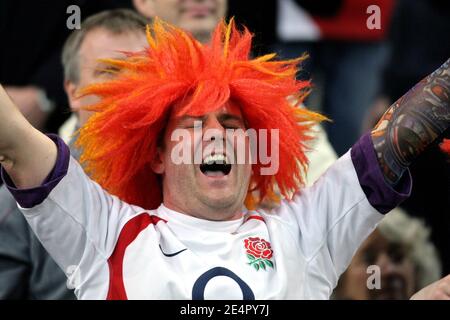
(312, 237)
(68, 128)
(295, 24)
(321, 156)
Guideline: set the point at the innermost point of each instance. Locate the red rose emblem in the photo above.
(258, 248)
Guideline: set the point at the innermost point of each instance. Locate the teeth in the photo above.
(217, 158)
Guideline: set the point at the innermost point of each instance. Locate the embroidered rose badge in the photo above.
(259, 253)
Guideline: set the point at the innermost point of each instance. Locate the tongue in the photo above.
(214, 173)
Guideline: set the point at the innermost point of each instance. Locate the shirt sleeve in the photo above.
(28, 198)
(77, 222)
(335, 215)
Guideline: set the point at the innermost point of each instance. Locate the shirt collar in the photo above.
(176, 217)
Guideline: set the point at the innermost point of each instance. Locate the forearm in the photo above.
(412, 123)
(26, 154)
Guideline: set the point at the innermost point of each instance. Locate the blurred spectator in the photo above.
(199, 17)
(419, 44)
(346, 57)
(26, 269)
(106, 36)
(407, 259)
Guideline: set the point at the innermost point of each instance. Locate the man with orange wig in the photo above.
(149, 226)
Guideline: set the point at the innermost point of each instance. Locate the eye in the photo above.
(193, 125)
(233, 125)
(397, 253)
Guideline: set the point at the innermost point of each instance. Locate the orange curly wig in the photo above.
(120, 140)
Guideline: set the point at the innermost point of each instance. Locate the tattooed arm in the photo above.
(412, 123)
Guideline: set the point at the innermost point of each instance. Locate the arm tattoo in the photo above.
(412, 123)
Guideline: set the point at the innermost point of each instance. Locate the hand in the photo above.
(439, 290)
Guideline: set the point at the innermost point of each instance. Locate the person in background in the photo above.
(407, 261)
(199, 17)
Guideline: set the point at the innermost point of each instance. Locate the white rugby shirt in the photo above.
(113, 250)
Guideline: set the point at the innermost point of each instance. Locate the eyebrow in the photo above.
(186, 117)
(227, 116)
(101, 65)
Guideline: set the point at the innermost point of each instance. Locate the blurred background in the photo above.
(363, 55)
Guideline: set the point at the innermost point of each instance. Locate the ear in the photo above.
(71, 91)
(157, 163)
(145, 7)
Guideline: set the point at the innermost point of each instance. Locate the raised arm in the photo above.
(412, 123)
(26, 154)
(343, 207)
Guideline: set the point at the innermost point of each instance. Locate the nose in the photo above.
(386, 264)
(213, 129)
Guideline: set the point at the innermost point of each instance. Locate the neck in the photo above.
(207, 213)
(203, 37)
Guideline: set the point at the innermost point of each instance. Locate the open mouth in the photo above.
(215, 165)
(392, 288)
